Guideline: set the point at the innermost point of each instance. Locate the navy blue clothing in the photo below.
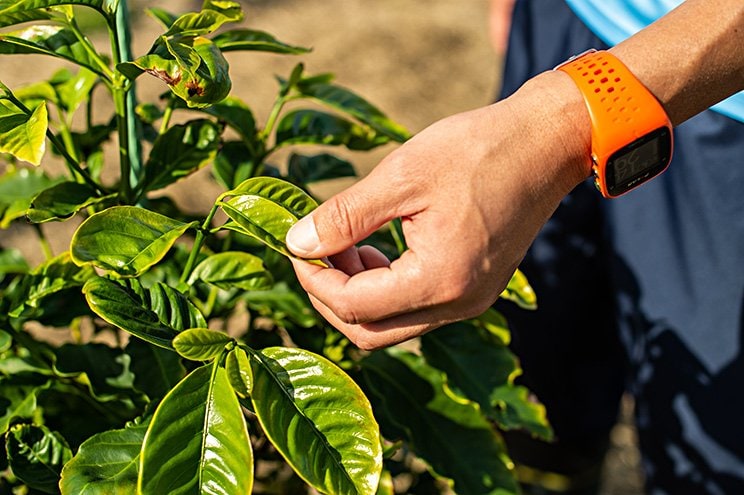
(643, 293)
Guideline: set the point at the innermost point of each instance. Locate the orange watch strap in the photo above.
(621, 108)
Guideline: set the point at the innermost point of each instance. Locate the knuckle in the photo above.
(345, 312)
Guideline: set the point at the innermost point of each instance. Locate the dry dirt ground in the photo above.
(418, 61)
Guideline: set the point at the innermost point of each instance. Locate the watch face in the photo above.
(639, 161)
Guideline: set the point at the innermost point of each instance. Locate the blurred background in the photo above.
(417, 61)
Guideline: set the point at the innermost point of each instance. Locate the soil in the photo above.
(417, 61)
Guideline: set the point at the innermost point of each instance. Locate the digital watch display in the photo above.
(631, 134)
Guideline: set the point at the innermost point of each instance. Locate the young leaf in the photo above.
(233, 269)
(155, 315)
(483, 369)
(316, 127)
(106, 463)
(519, 291)
(56, 41)
(198, 440)
(266, 208)
(309, 169)
(448, 432)
(125, 239)
(62, 201)
(208, 20)
(24, 135)
(352, 104)
(293, 392)
(106, 7)
(36, 456)
(200, 344)
(239, 372)
(248, 39)
(155, 369)
(179, 151)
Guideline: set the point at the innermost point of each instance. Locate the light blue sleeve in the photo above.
(615, 20)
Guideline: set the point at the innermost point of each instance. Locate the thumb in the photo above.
(343, 220)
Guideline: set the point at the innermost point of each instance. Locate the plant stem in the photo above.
(166, 116)
(273, 116)
(45, 246)
(103, 69)
(198, 242)
(72, 163)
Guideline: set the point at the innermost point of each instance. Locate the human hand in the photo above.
(472, 191)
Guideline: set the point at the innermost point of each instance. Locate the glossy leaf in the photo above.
(519, 291)
(179, 151)
(448, 432)
(294, 393)
(212, 16)
(17, 190)
(233, 164)
(233, 112)
(74, 90)
(51, 277)
(309, 169)
(8, 7)
(24, 135)
(201, 79)
(239, 372)
(352, 104)
(198, 440)
(20, 16)
(63, 200)
(104, 369)
(156, 314)
(125, 239)
(53, 40)
(17, 398)
(316, 127)
(266, 208)
(483, 369)
(36, 456)
(233, 269)
(106, 463)
(248, 39)
(200, 344)
(282, 303)
(494, 323)
(156, 370)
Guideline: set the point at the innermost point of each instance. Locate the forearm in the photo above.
(692, 58)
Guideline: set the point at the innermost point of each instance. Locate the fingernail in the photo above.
(302, 238)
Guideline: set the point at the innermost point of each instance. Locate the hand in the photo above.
(472, 191)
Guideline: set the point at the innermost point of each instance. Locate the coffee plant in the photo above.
(191, 360)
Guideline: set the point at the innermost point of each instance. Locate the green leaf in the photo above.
(200, 344)
(318, 419)
(281, 303)
(483, 369)
(23, 135)
(63, 200)
(239, 372)
(57, 41)
(51, 277)
(6, 341)
(352, 104)
(8, 7)
(266, 208)
(309, 169)
(76, 90)
(104, 369)
(17, 400)
(495, 323)
(447, 431)
(106, 464)
(198, 440)
(316, 127)
(125, 239)
(179, 151)
(19, 17)
(233, 269)
(519, 291)
(155, 369)
(17, 190)
(248, 39)
(211, 18)
(162, 16)
(233, 164)
(232, 111)
(148, 112)
(36, 456)
(200, 80)
(155, 315)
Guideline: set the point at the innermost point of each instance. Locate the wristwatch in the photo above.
(631, 133)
